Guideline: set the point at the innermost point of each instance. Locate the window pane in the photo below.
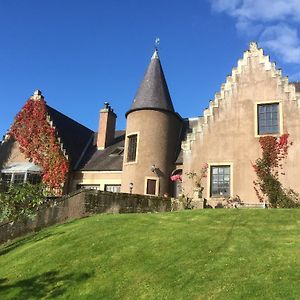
(132, 144)
(268, 108)
(6, 177)
(114, 188)
(215, 170)
(88, 186)
(220, 181)
(33, 178)
(275, 107)
(19, 178)
(268, 118)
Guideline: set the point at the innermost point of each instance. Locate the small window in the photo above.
(132, 145)
(151, 187)
(88, 186)
(268, 119)
(220, 181)
(114, 188)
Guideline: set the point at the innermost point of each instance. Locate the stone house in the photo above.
(254, 101)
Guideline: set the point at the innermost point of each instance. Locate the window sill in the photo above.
(130, 163)
(268, 134)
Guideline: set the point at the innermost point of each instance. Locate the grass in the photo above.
(207, 254)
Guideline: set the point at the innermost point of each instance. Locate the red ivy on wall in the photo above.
(38, 141)
(274, 150)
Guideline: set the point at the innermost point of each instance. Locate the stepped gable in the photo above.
(153, 92)
(229, 86)
(73, 137)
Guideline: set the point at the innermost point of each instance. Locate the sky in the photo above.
(81, 53)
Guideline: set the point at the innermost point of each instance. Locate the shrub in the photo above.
(19, 201)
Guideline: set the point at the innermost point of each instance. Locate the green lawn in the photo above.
(207, 254)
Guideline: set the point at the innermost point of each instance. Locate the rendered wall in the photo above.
(158, 138)
(227, 134)
(10, 153)
(96, 178)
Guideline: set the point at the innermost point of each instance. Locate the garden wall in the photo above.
(81, 204)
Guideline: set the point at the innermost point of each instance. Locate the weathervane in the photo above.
(156, 43)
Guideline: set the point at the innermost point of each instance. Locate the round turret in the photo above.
(152, 136)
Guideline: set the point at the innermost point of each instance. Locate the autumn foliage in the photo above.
(38, 141)
(269, 167)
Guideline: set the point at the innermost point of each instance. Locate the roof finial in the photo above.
(37, 95)
(156, 43)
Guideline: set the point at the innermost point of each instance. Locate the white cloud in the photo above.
(270, 21)
(259, 10)
(283, 40)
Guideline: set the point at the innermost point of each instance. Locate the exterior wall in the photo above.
(158, 136)
(227, 134)
(10, 153)
(100, 178)
(82, 204)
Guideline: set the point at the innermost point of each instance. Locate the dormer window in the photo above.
(117, 152)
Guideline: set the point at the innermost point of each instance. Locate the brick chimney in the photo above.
(107, 126)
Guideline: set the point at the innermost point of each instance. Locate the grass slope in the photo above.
(208, 254)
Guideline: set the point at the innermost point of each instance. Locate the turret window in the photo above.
(132, 148)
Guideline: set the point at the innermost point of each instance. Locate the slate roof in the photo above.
(105, 160)
(74, 136)
(153, 92)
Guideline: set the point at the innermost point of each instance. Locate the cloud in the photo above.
(259, 10)
(272, 22)
(283, 40)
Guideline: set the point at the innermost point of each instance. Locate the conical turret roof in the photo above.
(153, 92)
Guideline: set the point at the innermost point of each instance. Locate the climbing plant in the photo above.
(268, 167)
(38, 141)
